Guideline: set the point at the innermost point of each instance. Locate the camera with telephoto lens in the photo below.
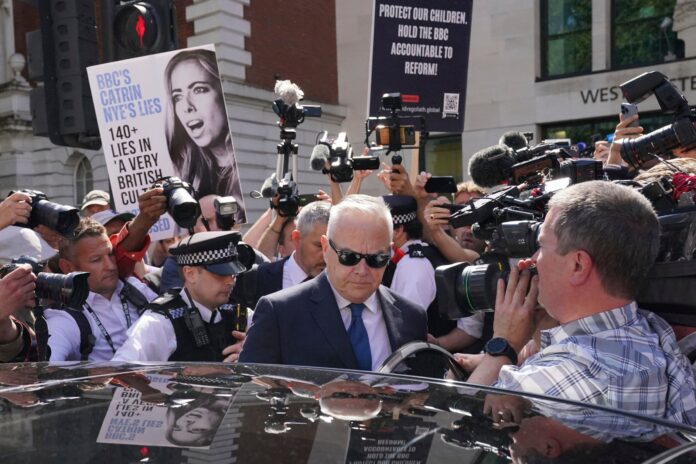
(464, 289)
(63, 219)
(181, 202)
(339, 155)
(70, 289)
(680, 134)
(225, 210)
(553, 160)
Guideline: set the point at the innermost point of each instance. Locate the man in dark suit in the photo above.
(344, 318)
(306, 262)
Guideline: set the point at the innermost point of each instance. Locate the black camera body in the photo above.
(680, 134)
(341, 161)
(181, 201)
(292, 116)
(70, 290)
(63, 219)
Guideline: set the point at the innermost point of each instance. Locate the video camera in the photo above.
(70, 290)
(63, 219)
(338, 154)
(291, 115)
(289, 200)
(182, 203)
(500, 164)
(464, 288)
(389, 130)
(681, 133)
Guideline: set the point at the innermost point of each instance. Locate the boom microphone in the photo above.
(320, 155)
(491, 166)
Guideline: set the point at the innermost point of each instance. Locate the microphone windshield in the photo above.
(270, 186)
(491, 166)
(319, 157)
(514, 140)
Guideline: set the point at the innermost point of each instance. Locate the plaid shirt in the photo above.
(625, 358)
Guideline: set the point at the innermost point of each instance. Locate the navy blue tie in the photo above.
(358, 337)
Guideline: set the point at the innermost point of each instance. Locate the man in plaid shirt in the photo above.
(595, 249)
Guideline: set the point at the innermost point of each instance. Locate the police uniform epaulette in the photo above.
(169, 304)
(415, 250)
(227, 307)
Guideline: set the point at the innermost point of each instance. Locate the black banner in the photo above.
(421, 49)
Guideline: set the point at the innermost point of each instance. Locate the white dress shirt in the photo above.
(292, 272)
(414, 278)
(472, 325)
(64, 339)
(376, 328)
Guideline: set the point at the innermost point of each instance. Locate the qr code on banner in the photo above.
(451, 104)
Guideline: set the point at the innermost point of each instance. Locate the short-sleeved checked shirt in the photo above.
(625, 358)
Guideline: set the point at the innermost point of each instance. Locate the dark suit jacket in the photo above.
(262, 280)
(302, 326)
(269, 278)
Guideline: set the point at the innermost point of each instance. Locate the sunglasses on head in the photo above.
(351, 258)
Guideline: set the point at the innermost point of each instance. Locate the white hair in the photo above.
(360, 204)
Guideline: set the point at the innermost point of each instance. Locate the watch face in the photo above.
(496, 346)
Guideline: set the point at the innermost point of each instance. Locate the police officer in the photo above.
(195, 323)
(411, 272)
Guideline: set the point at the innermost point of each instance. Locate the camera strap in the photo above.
(101, 327)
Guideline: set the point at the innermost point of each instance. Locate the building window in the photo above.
(566, 34)
(642, 33)
(444, 156)
(83, 180)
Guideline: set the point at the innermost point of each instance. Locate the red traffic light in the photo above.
(136, 28)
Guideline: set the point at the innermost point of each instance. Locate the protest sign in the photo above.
(165, 115)
(421, 49)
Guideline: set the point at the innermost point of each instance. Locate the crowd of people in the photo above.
(351, 279)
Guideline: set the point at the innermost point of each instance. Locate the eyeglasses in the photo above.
(361, 396)
(351, 258)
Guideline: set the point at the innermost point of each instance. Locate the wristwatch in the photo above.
(500, 347)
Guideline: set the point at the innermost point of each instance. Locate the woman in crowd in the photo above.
(197, 130)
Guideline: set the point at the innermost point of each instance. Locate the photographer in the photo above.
(605, 351)
(116, 298)
(16, 292)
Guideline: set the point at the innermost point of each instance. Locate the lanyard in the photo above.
(102, 329)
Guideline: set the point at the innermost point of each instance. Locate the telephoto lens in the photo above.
(181, 205)
(70, 290)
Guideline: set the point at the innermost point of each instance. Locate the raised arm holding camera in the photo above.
(605, 351)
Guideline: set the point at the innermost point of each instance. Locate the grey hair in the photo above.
(616, 225)
(360, 204)
(314, 213)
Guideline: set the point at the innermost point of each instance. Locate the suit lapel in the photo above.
(392, 317)
(326, 314)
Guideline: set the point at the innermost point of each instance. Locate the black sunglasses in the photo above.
(351, 258)
(361, 396)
